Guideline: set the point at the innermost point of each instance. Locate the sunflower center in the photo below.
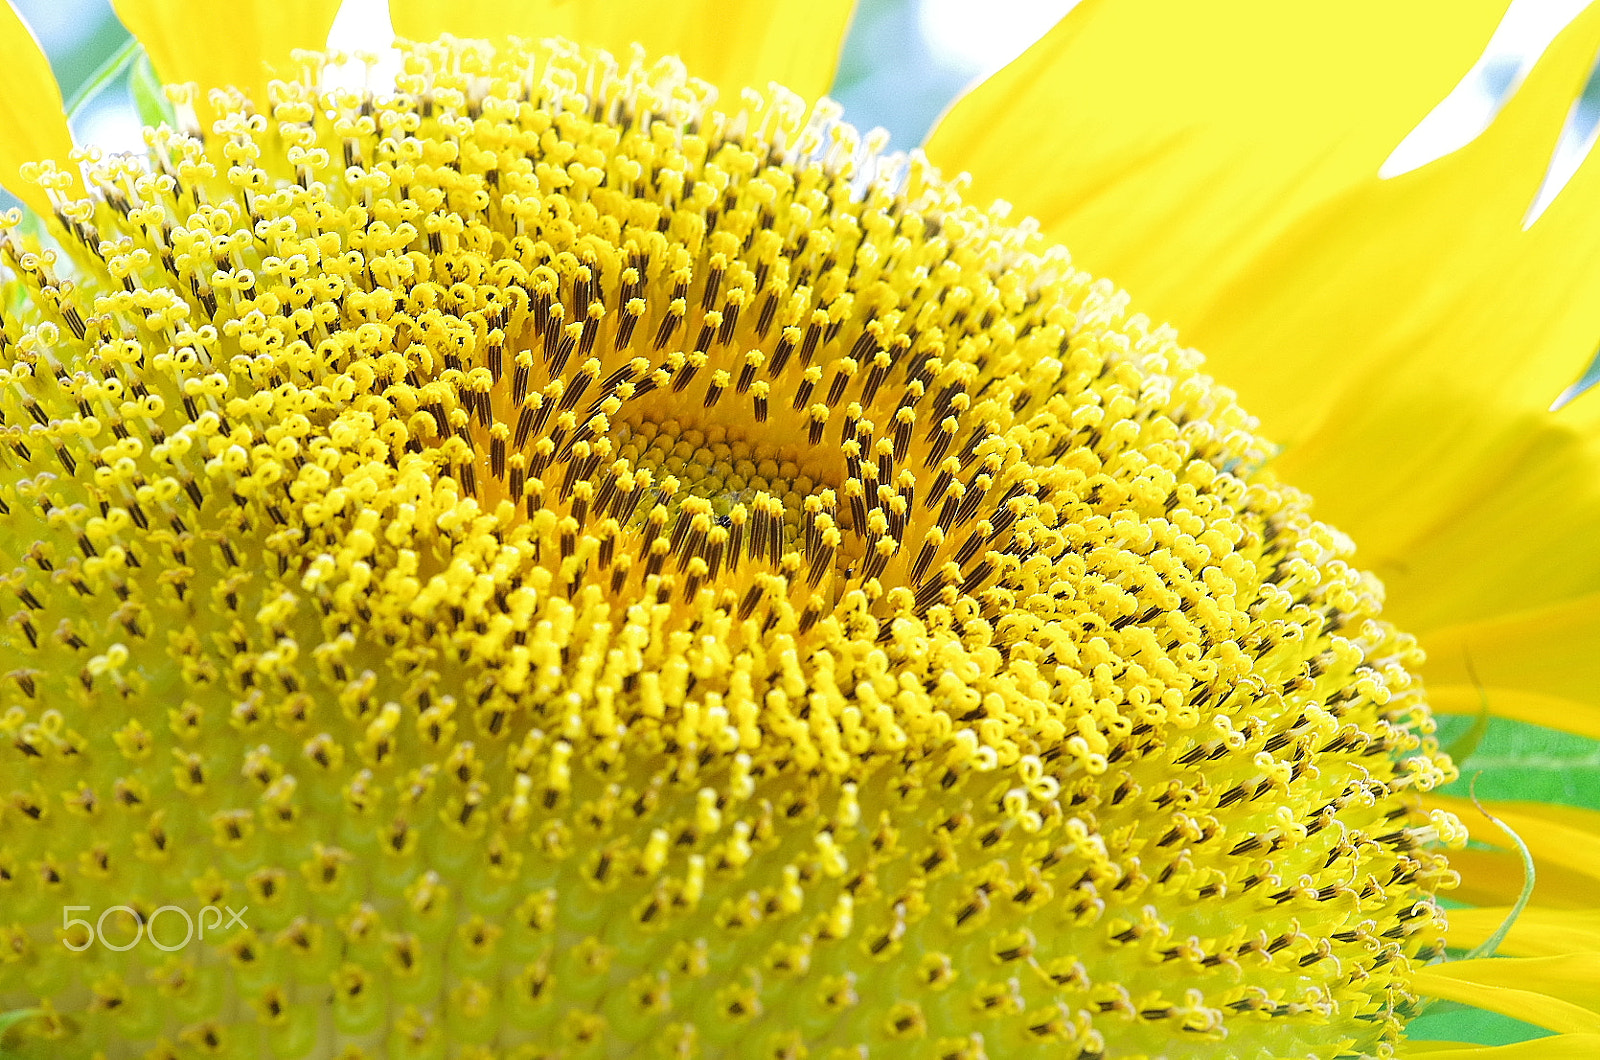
(589, 570)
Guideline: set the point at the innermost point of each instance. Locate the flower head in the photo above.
(585, 566)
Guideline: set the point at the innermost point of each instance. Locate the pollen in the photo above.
(579, 566)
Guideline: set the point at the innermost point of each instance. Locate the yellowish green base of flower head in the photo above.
(598, 577)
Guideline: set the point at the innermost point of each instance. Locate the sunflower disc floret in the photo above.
(592, 570)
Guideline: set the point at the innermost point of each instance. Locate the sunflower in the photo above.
(577, 552)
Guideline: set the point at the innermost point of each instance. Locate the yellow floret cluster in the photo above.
(596, 572)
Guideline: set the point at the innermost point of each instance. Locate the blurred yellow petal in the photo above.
(1452, 331)
(1182, 140)
(1516, 534)
(1538, 1009)
(1437, 331)
(236, 42)
(1575, 817)
(1538, 932)
(1563, 1047)
(1494, 877)
(1431, 444)
(1527, 817)
(1540, 666)
(1555, 835)
(1557, 993)
(733, 44)
(32, 125)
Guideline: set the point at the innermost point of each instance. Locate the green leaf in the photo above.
(1452, 1022)
(1517, 761)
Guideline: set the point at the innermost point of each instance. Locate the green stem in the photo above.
(1492, 943)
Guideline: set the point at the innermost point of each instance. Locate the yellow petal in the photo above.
(1402, 338)
(730, 43)
(1494, 877)
(1555, 835)
(1524, 814)
(1169, 145)
(1574, 817)
(1540, 666)
(1509, 503)
(1564, 842)
(32, 125)
(1561, 1047)
(226, 42)
(1439, 332)
(1538, 932)
(1557, 993)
